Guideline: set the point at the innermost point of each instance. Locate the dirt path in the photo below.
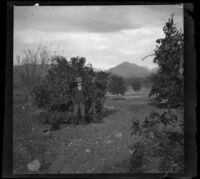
(95, 148)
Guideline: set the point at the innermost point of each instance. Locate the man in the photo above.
(79, 98)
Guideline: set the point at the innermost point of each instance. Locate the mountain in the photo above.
(129, 70)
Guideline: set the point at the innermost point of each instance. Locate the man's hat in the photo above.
(78, 79)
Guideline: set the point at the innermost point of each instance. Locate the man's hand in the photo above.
(181, 71)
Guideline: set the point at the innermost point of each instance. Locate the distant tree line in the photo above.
(144, 81)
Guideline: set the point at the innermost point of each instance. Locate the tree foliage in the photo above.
(116, 85)
(168, 81)
(136, 85)
(55, 94)
(162, 134)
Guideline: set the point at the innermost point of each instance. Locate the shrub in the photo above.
(162, 135)
(138, 160)
(41, 95)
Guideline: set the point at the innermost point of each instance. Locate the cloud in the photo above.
(91, 18)
(73, 18)
(105, 35)
(126, 44)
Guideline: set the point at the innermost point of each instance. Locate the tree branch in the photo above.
(148, 56)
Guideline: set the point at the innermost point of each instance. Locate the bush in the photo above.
(55, 94)
(136, 85)
(162, 135)
(41, 95)
(138, 160)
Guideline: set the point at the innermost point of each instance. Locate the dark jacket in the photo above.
(79, 95)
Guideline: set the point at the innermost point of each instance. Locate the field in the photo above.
(93, 148)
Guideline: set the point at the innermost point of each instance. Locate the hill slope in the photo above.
(128, 70)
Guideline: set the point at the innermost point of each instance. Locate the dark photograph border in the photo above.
(190, 92)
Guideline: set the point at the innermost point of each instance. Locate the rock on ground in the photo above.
(118, 135)
(34, 166)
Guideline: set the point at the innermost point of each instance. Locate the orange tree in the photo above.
(161, 133)
(168, 82)
(54, 96)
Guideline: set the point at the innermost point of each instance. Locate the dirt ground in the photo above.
(92, 148)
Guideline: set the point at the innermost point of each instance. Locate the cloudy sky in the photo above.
(105, 35)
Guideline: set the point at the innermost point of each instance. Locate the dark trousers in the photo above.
(76, 108)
